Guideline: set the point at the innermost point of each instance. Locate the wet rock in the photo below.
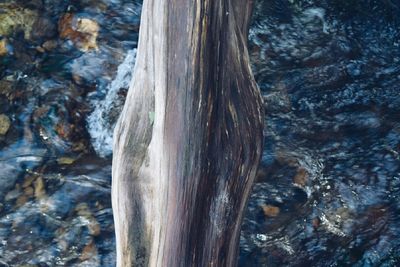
(50, 45)
(5, 87)
(270, 211)
(88, 252)
(13, 18)
(301, 177)
(13, 194)
(21, 200)
(8, 176)
(3, 47)
(82, 32)
(28, 181)
(39, 188)
(59, 125)
(65, 160)
(316, 222)
(40, 49)
(4, 105)
(29, 191)
(92, 224)
(43, 28)
(5, 124)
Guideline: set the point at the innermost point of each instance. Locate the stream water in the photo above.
(328, 189)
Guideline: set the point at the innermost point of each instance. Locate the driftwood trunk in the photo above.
(181, 180)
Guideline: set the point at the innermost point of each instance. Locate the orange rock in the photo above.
(270, 211)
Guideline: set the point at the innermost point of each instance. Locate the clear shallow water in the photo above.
(328, 189)
(330, 77)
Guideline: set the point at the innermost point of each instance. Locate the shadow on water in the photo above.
(327, 193)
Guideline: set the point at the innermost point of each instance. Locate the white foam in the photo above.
(99, 126)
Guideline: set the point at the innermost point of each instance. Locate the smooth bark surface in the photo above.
(181, 182)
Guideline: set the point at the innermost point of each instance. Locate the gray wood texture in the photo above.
(181, 182)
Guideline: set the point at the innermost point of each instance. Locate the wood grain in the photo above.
(181, 183)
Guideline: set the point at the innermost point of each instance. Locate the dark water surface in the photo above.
(328, 190)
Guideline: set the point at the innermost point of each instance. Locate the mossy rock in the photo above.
(5, 124)
(13, 18)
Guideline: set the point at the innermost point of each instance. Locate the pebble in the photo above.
(93, 225)
(65, 161)
(270, 211)
(50, 45)
(301, 177)
(5, 124)
(316, 222)
(3, 47)
(88, 251)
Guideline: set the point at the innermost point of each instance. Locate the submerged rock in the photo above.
(82, 32)
(301, 177)
(3, 47)
(50, 45)
(270, 211)
(5, 124)
(13, 18)
(43, 28)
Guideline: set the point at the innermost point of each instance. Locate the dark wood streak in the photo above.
(180, 187)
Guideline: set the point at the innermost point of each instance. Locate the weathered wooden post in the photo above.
(188, 142)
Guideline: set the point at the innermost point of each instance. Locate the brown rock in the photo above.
(6, 87)
(82, 32)
(64, 130)
(29, 191)
(21, 201)
(50, 45)
(28, 181)
(316, 222)
(39, 188)
(301, 177)
(270, 211)
(88, 251)
(40, 49)
(94, 227)
(3, 47)
(83, 210)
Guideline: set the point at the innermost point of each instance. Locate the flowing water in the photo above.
(328, 189)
